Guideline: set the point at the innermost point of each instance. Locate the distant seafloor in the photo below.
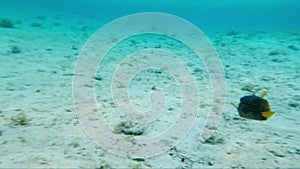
(258, 43)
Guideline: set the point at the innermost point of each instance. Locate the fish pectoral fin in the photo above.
(234, 105)
(267, 114)
(263, 94)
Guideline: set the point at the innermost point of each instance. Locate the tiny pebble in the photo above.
(292, 47)
(276, 153)
(138, 159)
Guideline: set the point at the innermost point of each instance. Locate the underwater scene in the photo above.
(177, 84)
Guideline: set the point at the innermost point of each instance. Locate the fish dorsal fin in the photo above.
(267, 114)
(263, 94)
(234, 105)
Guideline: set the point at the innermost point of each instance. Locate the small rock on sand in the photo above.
(277, 153)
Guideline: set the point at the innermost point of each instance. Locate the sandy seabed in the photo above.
(39, 127)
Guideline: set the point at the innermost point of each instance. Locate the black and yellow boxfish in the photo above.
(254, 107)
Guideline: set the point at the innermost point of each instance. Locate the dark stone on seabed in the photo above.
(276, 153)
(129, 128)
(294, 104)
(98, 78)
(292, 47)
(232, 33)
(35, 24)
(15, 50)
(6, 23)
(138, 159)
(214, 140)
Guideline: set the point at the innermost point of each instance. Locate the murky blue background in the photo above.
(208, 15)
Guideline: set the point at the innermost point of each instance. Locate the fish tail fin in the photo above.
(234, 105)
(267, 114)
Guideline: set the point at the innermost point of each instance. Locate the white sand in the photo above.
(38, 83)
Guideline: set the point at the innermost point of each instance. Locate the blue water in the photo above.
(212, 15)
